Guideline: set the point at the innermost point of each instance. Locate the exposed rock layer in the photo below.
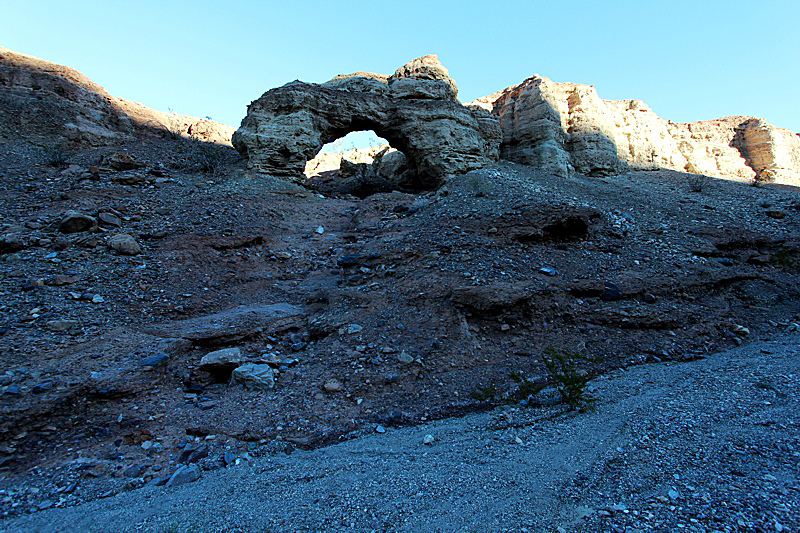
(415, 110)
(41, 100)
(565, 128)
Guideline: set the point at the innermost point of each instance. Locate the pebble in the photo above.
(612, 292)
(155, 361)
(320, 230)
(354, 328)
(283, 255)
(348, 261)
(332, 385)
(13, 390)
(135, 471)
(62, 325)
(42, 387)
(548, 271)
(380, 429)
(428, 439)
(405, 358)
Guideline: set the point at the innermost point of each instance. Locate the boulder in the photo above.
(75, 222)
(121, 161)
(124, 244)
(221, 360)
(567, 129)
(415, 110)
(253, 376)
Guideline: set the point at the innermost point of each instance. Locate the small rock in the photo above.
(75, 222)
(62, 325)
(548, 271)
(320, 230)
(332, 385)
(135, 471)
(380, 429)
(184, 474)
(405, 358)
(13, 390)
(229, 457)
(109, 219)
(740, 330)
(221, 360)
(673, 494)
(42, 387)
(612, 292)
(65, 280)
(776, 214)
(121, 161)
(197, 454)
(428, 439)
(155, 361)
(354, 328)
(347, 261)
(283, 255)
(124, 244)
(97, 299)
(253, 376)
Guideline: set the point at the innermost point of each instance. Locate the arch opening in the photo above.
(360, 163)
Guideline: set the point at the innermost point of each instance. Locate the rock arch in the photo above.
(416, 110)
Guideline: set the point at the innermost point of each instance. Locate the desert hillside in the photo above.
(173, 305)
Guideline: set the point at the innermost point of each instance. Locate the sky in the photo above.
(688, 60)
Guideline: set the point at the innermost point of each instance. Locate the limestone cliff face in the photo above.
(566, 128)
(40, 100)
(415, 109)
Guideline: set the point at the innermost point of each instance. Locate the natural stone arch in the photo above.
(416, 110)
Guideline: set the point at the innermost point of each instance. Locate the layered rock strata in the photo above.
(40, 100)
(566, 128)
(415, 109)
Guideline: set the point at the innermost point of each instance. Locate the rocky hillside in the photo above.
(50, 103)
(163, 314)
(566, 128)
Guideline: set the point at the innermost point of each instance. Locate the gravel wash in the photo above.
(703, 446)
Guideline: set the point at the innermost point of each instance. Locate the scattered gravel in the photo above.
(704, 446)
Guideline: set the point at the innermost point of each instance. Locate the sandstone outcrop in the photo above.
(40, 101)
(566, 128)
(415, 109)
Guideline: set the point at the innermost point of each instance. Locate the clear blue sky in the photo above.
(688, 60)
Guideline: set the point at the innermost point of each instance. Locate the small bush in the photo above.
(56, 156)
(527, 388)
(697, 182)
(484, 394)
(479, 186)
(784, 259)
(195, 156)
(562, 368)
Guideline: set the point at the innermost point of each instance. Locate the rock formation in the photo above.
(40, 100)
(566, 128)
(415, 109)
